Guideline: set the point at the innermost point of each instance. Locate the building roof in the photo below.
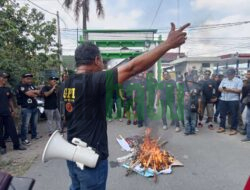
(196, 59)
(168, 57)
(235, 55)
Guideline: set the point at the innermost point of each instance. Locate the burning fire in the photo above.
(151, 155)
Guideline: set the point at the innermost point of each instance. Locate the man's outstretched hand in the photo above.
(177, 37)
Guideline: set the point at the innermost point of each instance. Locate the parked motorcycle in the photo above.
(40, 106)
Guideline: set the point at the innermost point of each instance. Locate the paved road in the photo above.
(211, 161)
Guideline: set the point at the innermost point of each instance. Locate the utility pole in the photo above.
(59, 44)
(178, 24)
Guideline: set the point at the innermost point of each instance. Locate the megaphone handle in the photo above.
(80, 165)
(79, 142)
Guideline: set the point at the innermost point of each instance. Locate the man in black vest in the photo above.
(29, 109)
(6, 112)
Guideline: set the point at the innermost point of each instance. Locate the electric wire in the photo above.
(47, 12)
(156, 13)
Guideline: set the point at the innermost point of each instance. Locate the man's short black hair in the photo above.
(86, 53)
(165, 72)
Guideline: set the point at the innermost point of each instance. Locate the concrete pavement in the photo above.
(211, 161)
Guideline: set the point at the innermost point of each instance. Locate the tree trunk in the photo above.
(84, 22)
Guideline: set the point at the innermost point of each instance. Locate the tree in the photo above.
(27, 41)
(84, 5)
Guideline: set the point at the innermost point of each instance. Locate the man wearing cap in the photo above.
(209, 97)
(29, 109)
(6, 112)
(230, 89)
(51, 104)
(85, 102)
(192, 104)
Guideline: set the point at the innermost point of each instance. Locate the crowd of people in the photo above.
(24, 97)
(184, 101)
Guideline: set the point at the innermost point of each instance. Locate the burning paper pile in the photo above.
(147, 158)
(151, 156)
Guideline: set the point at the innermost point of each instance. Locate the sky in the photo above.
(231, 36)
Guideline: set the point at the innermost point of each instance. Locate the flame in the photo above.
(151, 155)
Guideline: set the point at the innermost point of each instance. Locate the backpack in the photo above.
(193, 102)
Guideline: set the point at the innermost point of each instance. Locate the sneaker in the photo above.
(120, 120)
(177, 129)
(245, 140)
(221, 130)
(200, 125)
(37, 137)
(20, 148)
(26, 142)
(140, 125)
(210, 126)
(3, 151)
(128, 122)
(233, 132)
(196, 129)
(242, 132)
(165, 127)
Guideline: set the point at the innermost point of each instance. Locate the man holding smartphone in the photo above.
(230, 89)
(50, 105)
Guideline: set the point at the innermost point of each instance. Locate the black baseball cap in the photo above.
(53, 78)
(231, 71)
(207, 72)
(26, 75)
(190, 78)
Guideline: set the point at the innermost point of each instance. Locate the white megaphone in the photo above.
(58, 147)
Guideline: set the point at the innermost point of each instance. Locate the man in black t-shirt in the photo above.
(29, 109)
(50, 105)
(209, 97)
(6, 112)
(85, 102)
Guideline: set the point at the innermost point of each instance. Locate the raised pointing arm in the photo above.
(146, 60)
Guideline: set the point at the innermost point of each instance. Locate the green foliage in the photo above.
(27, 41)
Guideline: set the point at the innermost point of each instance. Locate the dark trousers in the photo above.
(172, 108)
(140, 110)
(29, 116)
(232, 107)
(217, 106)
(10, 128)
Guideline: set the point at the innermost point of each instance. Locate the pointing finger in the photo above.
(184, 27)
